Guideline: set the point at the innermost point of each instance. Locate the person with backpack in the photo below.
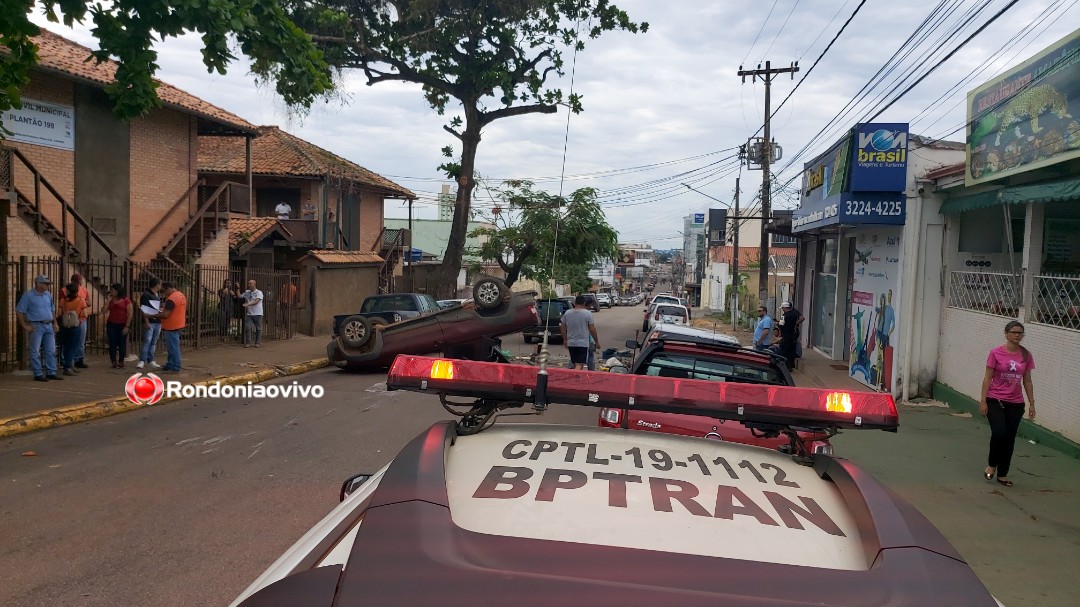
(117, 325)
(71, 310)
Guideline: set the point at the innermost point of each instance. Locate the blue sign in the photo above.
(879, 157)
(699, 218)
(851, 209)
(415, 255)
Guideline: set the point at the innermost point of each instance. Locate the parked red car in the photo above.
(683, 356)
(470, 330)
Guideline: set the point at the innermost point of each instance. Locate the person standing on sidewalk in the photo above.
(789, 333)
(151, 323)
(36, 315)
(173, 320)
(763, 330)
(576, 327)
(80, 341)
(71, 310)
(253, 303)
(1008, 367)
(117, 325)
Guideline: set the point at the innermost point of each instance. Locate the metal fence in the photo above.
(214, 312)
(1056, 301)
(989, 292)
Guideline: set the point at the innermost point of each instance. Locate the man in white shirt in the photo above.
(253, 304)
(283, 210)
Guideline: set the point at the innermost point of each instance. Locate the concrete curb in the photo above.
(105, 407)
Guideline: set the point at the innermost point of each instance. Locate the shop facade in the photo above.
(1012, 249)
(868, 227)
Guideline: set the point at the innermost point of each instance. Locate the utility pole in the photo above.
(736, 224)
(766, 158)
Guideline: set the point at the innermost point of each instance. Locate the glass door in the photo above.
(825, 296)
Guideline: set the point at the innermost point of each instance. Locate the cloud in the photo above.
(668, 95)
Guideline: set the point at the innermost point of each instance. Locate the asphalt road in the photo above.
(187, 503)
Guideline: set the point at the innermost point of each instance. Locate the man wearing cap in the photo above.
(789, 333)
(36, 313)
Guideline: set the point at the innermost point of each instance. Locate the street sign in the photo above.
(699, 218)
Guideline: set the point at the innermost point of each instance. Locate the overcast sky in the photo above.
(667, 107)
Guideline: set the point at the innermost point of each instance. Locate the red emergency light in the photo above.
(787, 405)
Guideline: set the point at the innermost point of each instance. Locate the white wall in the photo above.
(966, 339)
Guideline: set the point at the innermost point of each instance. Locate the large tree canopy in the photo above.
(494, 57)
(126, 30)
(540, 236)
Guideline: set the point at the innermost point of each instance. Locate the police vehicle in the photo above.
(475, 512)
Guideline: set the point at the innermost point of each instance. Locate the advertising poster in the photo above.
(874, 300)
(42, 123)
(879, 158)
(1028, 117)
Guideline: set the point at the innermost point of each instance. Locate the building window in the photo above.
(983, 230)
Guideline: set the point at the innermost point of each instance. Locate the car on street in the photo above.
(477, 511)
(591, 302)
(687, 353)
(468, 330)
(386, 308)
(603, 300)
(550, 312)
(665, 313)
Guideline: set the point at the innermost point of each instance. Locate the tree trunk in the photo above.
(455, 245)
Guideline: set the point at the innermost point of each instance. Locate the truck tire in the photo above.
(356, 331)
(489, 293)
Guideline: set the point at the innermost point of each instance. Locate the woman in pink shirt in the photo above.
(1008, 367)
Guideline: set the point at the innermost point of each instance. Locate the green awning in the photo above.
(1052, 191)
(959, 204)
(1049, 191)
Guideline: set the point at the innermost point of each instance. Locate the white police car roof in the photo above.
(540, 515)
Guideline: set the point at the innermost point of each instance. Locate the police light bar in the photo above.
(804, 407)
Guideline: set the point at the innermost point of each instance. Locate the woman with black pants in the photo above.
(120, 312)
(1008, 367)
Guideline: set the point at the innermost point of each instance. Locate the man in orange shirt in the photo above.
(173, 320)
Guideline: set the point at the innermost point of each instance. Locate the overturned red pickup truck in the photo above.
(469, 331)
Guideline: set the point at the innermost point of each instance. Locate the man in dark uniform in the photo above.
(789, 333)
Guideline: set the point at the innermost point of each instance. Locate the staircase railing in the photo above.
(164, 219)
(90, 235)
(386, 278)
(196, 218)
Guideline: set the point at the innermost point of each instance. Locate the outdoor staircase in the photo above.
(33, 209)
(389, 246)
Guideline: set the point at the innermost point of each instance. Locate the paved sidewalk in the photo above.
(22, 398)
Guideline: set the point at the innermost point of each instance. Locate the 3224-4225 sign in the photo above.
(880, 208)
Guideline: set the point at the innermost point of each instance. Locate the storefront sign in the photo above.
(826, 175)
(1027, 118)
(879, 157)
(699, 218)
(42, 123)
(860, 208)
(872, 328)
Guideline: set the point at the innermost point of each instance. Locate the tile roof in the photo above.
(58, 55)
(335, 256)
(250, 230)
(275, 152)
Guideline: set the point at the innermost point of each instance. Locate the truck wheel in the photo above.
(356, 331)
(489, 293)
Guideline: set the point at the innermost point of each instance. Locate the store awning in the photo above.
(959, 204)
(1051, 191)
